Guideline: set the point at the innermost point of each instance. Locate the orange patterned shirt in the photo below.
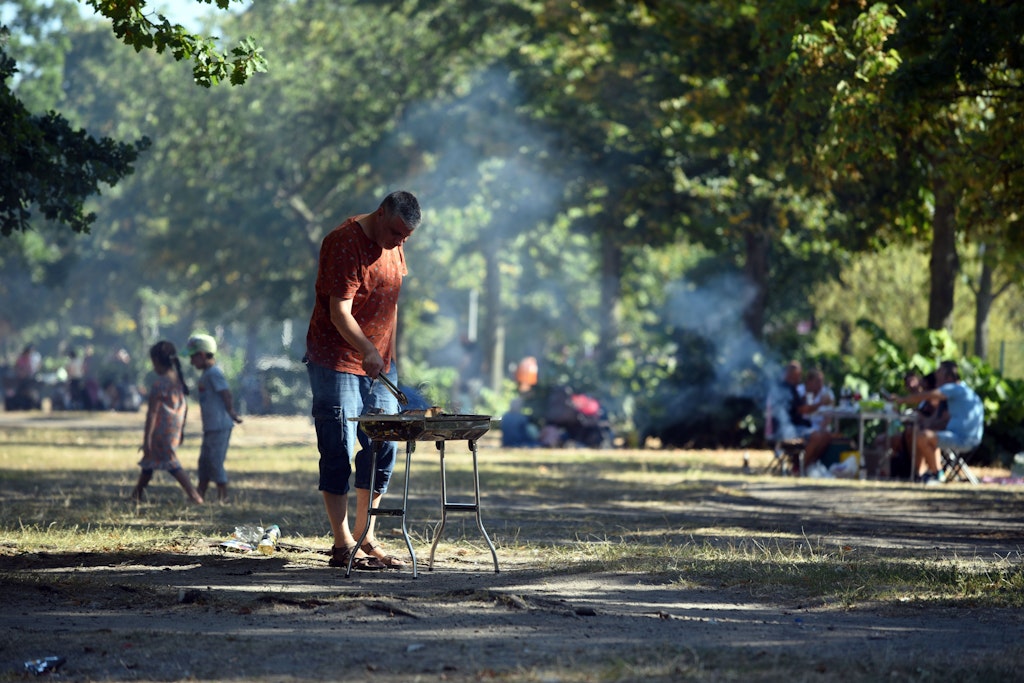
(354, 267)
(169, 408)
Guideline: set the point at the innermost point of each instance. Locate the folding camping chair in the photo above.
(955, 465)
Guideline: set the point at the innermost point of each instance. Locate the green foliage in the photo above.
(1004, 410)
(437, 385)
(910, 126)
(133, 25)
(46, 162)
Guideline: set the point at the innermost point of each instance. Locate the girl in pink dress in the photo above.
(165, 422)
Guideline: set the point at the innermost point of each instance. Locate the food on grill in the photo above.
(432, 411)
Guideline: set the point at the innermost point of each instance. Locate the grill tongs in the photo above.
(393, 388)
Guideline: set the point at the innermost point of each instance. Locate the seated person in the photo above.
(516, 429)
(932, 414)
(820, 437)
(816, 397)
(965, 426)
(794, 424)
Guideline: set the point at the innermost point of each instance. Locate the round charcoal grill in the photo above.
(439, 429)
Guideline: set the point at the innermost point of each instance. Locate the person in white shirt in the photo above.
(816, 397)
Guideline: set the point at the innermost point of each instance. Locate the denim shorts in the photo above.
(212, 453)
(337, 396)
(952, 441)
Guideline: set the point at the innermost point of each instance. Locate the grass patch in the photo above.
(65, 490)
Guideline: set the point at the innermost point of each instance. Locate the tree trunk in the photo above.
(945, 262)
(756, 268)
(493, 341)
(247, 401)
(983, 301)
(611, 300)
(845, 338)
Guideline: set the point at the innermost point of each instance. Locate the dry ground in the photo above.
(195, 612)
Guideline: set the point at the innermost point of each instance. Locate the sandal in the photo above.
(389, 561)
(341, 556)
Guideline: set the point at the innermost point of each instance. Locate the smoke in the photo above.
(488, 161)
(714, 311)
(738, 374)
(485, 192)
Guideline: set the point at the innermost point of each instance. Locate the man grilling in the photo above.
(351, 341)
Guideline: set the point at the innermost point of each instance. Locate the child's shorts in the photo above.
(212, 454)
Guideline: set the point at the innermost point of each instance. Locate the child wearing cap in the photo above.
(216, 406)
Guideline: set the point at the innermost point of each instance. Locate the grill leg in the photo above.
(410, 446)
(444, 509)
(476, 499)
(371, 511)
(447, 507)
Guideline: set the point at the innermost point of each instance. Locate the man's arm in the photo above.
(920, 396)
(349, 329)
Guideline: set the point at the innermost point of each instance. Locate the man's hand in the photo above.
(373, 364)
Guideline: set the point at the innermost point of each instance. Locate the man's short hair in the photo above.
(405, 206)
(950, 367)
